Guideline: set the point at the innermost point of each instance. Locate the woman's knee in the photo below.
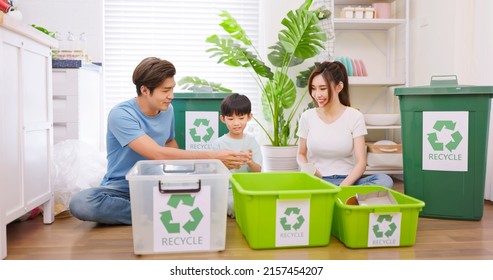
(384, 180)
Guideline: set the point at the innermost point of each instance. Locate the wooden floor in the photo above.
(69, 238)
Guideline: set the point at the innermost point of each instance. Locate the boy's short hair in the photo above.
(236, 104)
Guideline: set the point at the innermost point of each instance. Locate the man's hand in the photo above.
(231, 159)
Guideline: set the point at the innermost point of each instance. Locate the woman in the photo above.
(332, 135)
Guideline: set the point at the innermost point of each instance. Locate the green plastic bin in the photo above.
(444, 140)
(283, 209)
(197, 121)
(368, 226)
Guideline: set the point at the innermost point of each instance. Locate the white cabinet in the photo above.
(25, 123)
(382, 44)
(76, 104)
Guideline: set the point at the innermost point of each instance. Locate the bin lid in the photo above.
(444, 85)
(176, 168)
(201, 95)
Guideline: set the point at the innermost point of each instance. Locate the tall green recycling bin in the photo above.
(444, 139)
(197, 121)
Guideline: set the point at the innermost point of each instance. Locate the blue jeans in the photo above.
(375, 179)
(104, 204)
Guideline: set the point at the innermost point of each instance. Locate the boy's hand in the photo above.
(249, 157)
(232, 159)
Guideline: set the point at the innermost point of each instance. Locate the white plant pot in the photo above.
(277, 159)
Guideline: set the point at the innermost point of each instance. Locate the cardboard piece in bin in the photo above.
(383, 197)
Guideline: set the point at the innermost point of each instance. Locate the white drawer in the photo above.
(65, 82)
(64, 131)
(65, 108)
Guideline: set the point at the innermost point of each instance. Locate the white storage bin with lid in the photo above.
(178, 205)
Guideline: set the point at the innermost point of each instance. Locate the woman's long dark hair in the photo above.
(332, 72)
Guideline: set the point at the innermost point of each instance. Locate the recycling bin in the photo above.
(197, 121)
(445, 143)
(283, 209)
(178, 206)
(375, 226)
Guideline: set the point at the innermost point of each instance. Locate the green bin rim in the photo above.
(416, 202)
(444, 84)
(201, 95)
(451, 90)
(334, 189)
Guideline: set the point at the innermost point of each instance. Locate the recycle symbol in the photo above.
(209, 130)
(452, 144)
(392, 227)
(196, 215)
(300, 220)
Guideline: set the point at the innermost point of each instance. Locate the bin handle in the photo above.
(192, 188)
(441, 80)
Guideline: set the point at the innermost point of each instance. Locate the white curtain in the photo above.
(175, 31)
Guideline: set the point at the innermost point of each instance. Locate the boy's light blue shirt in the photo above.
(240, 145)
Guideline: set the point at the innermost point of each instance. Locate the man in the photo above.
(138, 129)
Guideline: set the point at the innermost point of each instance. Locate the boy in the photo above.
(236, 112)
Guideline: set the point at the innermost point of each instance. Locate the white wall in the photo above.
(76, 16)
(451, 37)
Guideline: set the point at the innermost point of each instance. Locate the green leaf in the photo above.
(232, 54)
(303, 37)
(303, 76)
(231, 26)
(280, 94)
(279, 57)
(197, 85)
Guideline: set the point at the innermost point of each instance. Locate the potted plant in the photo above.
(301, 39)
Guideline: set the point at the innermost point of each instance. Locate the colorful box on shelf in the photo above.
(354, 67)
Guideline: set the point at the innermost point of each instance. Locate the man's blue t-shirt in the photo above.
(126, 122)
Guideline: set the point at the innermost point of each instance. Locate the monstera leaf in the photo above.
(233, 54)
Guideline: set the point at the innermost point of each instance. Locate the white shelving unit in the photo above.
(26, 123)
(76, 105)
(382, 44)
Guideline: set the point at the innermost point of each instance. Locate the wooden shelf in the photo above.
(372, 81)
(366, 24)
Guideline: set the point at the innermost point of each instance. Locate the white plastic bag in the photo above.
(75, 166)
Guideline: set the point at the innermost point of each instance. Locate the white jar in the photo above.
(348, 12)
(369, 13)
(359, 12)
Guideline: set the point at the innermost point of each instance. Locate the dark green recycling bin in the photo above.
(444, 140)
(197, 121)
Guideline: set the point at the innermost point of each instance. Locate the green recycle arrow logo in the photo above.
(452, 144)
(300, 220)
(209, 130)
(389, 232)
(174, 201)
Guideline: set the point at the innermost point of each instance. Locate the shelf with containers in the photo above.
(382, 45)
